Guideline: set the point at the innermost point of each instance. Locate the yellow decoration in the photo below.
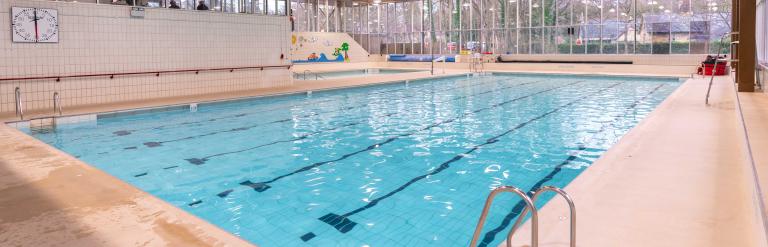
(293, 39)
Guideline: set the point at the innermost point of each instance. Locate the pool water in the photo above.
(350, 73)
(401, 164)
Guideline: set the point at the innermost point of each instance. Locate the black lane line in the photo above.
(131, 131)
(343, 224)
(160, 143)
(263, 186)
(200, 161)
(128, 132)
(518, 208)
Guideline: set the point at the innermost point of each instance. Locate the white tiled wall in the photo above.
(103, 38)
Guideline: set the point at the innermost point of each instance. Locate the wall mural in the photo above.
(310, 49)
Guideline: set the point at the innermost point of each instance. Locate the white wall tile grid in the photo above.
(96, 39)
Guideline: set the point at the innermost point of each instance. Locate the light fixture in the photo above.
(535, 5)
(355, 4)
(465, 5)
(612, 10)
(661, 6)
(666, 11)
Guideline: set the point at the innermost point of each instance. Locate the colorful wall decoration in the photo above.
(316, 47)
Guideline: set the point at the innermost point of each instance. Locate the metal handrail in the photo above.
(529, 205)
(156, 73)
(536, 195)
(317, 75)
(714, 68)
(56, 103)
(477, 64)
(19, 104)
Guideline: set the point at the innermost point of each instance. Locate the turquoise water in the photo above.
(388, 165)
(351, 73)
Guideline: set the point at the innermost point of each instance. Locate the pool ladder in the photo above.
(304, 75)
(19, 104)
(530, 207)
(56, 103)
(477, 64)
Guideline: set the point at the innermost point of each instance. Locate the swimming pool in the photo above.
(350, 73)
(402, 164)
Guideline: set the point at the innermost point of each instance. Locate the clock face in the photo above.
(31, 25)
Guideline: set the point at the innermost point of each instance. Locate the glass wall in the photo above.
(524, 26)
(762, 32)
(263, 7)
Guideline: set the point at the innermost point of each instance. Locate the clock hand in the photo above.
(37, 31)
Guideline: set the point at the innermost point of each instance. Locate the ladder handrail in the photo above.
(529, 205)
(536, 195)
(19, 104)
(477, 64)
(714, 68)
(317, 75)
(56, 103)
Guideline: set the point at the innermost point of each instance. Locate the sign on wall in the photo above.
(33, 25)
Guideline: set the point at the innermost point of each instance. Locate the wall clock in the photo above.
(33, 25)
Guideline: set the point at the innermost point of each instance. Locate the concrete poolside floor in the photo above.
(677, 179)
(680, 178)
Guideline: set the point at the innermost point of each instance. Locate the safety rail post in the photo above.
(714, 68)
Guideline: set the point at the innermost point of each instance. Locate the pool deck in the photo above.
(680, 178)
(677, 179)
